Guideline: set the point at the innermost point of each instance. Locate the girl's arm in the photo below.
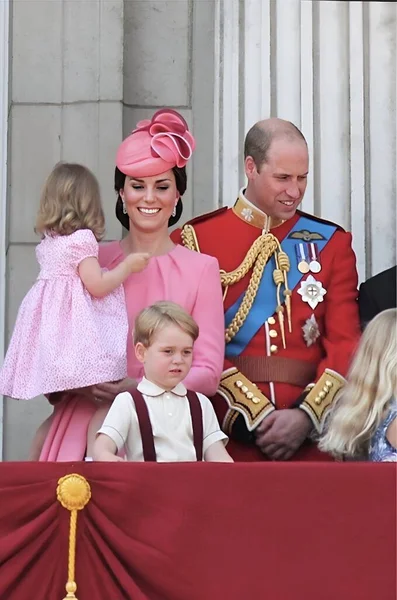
(100, 283)
(391, 433)
(105, 449)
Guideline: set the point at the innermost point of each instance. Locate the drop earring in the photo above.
(124, 208)
(174, 211)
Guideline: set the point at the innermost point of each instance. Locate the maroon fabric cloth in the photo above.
(202, 531)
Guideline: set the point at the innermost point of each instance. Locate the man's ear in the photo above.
(140, 352)
(250, 168)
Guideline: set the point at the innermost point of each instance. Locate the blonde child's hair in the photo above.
(150, 320)
(70, 201)
(371, 384)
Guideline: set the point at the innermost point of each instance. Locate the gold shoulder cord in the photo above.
(263, 248)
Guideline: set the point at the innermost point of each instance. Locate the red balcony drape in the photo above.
(202, 532)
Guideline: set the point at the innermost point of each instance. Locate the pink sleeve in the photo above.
(209, 348)
(83, 244)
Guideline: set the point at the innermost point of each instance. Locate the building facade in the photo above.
(81, 73)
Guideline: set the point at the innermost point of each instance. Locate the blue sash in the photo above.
(265, 302)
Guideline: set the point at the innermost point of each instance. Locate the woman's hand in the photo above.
(106, 392)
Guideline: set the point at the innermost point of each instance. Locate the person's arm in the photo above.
(391, 433)
(209, 348)
(115, 428)
(214, 439)
(217, 453)
(367, 304)
(100, 283)
(105, 449)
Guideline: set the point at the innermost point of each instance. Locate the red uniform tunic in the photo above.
(227, 236)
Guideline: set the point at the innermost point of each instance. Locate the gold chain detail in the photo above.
(263, 248)
(267, 245)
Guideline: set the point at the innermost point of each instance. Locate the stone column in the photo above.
(67, 89)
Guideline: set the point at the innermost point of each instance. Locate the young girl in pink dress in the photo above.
(150, 179)
(71, 329)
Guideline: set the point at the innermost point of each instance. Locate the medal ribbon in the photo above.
(265, 302)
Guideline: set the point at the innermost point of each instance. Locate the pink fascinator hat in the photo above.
(156, 145)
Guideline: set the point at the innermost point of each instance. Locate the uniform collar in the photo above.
(251, 214)
(151, 389)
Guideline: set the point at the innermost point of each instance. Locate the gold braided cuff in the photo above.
(320, 397)
(243, 397)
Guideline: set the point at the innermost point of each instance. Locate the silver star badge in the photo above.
(312, 291)
(311, 331)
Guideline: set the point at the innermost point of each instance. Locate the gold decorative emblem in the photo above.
(312, 291)
(306, 236)
(311, 331)
(73, 493)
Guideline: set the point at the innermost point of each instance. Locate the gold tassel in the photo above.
(278, 278)
(73, 492)
(280, 314)
(284, 266)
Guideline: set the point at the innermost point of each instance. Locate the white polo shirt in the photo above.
(171, 421)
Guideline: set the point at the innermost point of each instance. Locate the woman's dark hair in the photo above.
(181, 184)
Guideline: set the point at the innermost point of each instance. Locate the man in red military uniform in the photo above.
(290, 297)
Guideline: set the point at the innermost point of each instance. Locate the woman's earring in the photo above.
(124, 208)
(174, 211)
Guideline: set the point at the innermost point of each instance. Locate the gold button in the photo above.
(329, 383)
(273, 333)
(244, 389)
(317, 400)
(322, 395)
(271, 321)
(255, 400)
(249, 395)
(238, 383)
(273, 348)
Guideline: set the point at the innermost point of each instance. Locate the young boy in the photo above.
(160, 420)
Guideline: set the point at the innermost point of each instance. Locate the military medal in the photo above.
(312, 291)
(303, 263)
(311, 331)
(314, 264)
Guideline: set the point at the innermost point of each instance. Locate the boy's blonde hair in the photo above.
(159, 315)
(70, 201)
(371, 383)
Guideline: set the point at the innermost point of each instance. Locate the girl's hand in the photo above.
(106, 392)
(137, 261)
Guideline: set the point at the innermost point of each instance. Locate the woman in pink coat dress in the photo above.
(150, 180)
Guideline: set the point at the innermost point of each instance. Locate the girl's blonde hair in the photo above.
(70, 201)
(157, 316)
(371, 383)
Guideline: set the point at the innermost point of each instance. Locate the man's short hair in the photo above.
(153, 318)
(261, 135)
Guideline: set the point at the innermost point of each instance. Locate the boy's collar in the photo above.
(151, 389)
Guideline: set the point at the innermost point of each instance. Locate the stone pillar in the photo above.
(67, 89)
